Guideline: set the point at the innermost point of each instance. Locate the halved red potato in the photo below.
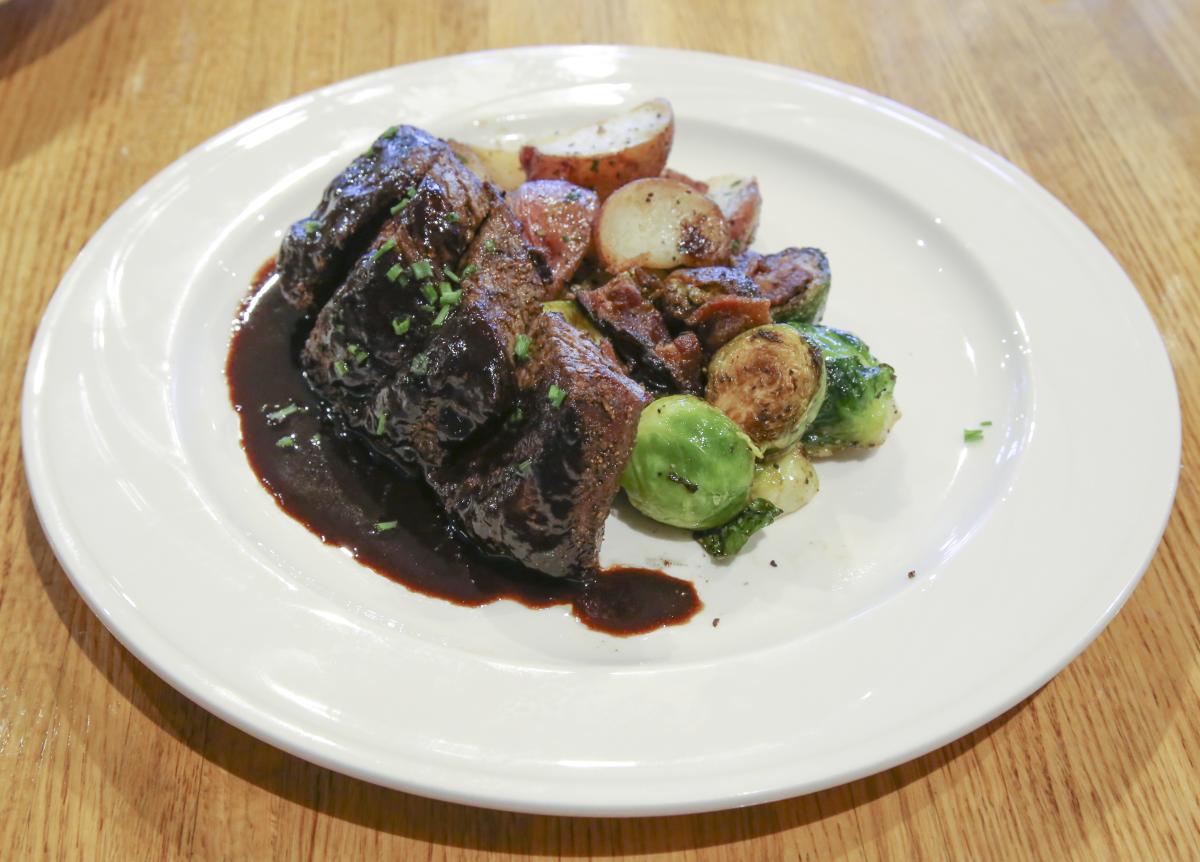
(557, 218)
(604, 156)
(740, 203)
(661, 224)
(698, 185)
(493, 164)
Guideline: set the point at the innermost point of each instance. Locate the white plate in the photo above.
(990, 298)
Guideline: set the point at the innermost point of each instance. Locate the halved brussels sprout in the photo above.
(787, 479)
(770, 380)
(691, 466)
(859, 407)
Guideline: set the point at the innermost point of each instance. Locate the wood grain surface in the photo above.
(1099, 101)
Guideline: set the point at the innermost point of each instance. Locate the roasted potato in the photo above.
(661, 224)
(494, 164)
(740, 203)
(557, 219)
(769, 380)
(604, 156)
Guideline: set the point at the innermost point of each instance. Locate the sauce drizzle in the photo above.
(348, 496)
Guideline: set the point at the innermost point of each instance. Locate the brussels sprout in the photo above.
(859, 407)
(770, 380)
(691, 466)
(727, 539)
(574, 315)
(787, 479)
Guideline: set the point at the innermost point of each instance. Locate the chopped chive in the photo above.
(451, 297)
(384, 526)
(420, 364)
(972, 435)
(446, 271)
(469, 270)
(410, 192)
(452, 218)
(395, 272)
(524, 466)
(441, 316)
(572, 196)
(390, 133)
(430, 292)
(401, 326)
(315, 439)
(282, 413)
(735, 245)
(286, 442)
(556, 395)
(422, 269)
(986, 423)
(360, 355)
(383, 249)
(595, 164)
(516, 416)
(399, 206)
(381, 423)
(340, 368)
(311, 226)
(521, 350)
(489, 245)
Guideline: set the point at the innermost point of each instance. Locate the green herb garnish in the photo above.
(382, 250)
(381, 423)
(441, 316)
(282, 413)
(311, 226)
(422, 269)
(469, 270)
(390, 133)
(489, 246)
(401, 326)
(521, 350)
(986, 423)
(420, 364)
(556, 395)
(286, 442)
(452, 218)
(360, 355)
(340, 368)
(395, 272)
(384, 526)
(972, 435)
(429, 291)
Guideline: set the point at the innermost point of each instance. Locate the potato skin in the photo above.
(587, 156)
(770, 381)
(660, 223)
(740, 202)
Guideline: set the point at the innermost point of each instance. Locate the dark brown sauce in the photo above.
(330, 481)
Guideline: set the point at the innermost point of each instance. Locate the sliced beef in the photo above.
(639, 333)
(716, 302)
(415, 349)
(557, 217)
(795, 280)
(541, 488)
(318, 250)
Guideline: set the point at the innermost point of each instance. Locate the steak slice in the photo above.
(318, 250)
(540, 490)
(412, 350)
(637, 329)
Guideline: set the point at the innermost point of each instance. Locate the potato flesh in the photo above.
(766, 380)
(604, 156)
(661, 224)
(496, 165)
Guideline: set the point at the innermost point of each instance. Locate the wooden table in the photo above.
(1099, 101)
